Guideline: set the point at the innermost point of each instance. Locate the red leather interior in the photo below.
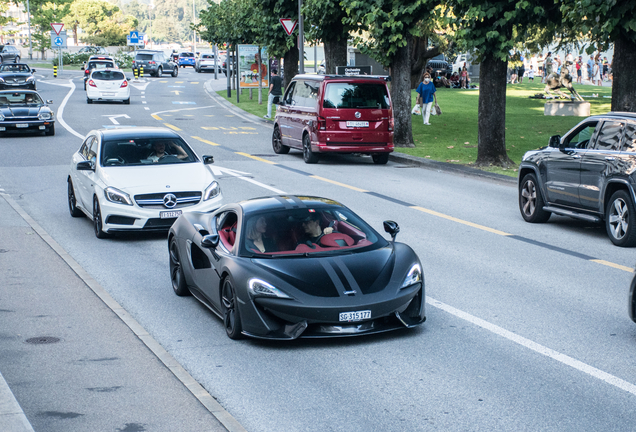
(332, 240)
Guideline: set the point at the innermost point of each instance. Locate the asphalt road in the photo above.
(527, 325)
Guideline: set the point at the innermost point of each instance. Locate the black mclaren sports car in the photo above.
(284, 267)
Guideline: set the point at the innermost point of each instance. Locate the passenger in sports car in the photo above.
(256, 239)
(313, 230)
(159, 150)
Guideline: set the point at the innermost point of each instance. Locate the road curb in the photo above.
(225, 418)
(12, 418)
(397, 157)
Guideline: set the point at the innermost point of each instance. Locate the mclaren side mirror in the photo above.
(392, 228)
(85, 166)
(207, 159)
(210, 241)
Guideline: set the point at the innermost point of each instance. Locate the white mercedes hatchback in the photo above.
(139, 179)
(107, 85)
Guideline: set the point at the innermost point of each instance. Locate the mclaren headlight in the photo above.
(212, 191)
(45, 116)
(117, 196)
(413, 276)
(260, 288)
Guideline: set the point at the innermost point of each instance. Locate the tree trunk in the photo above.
(491, 147)
(401, 96)
(624, 84)
(290, 66)
(335, 52)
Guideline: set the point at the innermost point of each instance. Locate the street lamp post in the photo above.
(29, 27)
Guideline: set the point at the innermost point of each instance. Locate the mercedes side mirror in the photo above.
(210, 241)
(392, 228)
(49, 101)
(207, 159)
(33, 70)
(85, 166)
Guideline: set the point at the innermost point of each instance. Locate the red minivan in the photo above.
(335, 114)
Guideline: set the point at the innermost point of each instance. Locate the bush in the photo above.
(122, 58)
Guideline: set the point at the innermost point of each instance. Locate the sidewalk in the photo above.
(73, 359)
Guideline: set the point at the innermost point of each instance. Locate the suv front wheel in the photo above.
(531, 201)
(620, 219)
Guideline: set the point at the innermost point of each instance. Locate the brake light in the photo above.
(151, 62)
(124, 84)
(87, 71)
(322, 123)
(91, 83)
(391, 124)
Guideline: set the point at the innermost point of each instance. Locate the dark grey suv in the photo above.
(588, 174)
(155, 63)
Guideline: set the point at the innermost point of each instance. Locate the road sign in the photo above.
(134, 37)
(57, 27)
(289, 25)
(58, 41)
(138, 42)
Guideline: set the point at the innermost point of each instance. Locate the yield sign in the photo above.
(289, 25)
(57, 27)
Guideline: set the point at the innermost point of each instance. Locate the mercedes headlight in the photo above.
(211, 191)
(31, 78)
(1, 117)
(117, 196)
(45, 115)
(260, 288)
(414, 276)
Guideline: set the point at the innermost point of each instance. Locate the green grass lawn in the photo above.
(452, 137)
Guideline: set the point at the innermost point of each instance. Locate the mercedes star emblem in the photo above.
(169, 200)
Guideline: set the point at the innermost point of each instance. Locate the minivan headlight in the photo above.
(212, 191)
(117, 196)
(260, 288)
(413, 276)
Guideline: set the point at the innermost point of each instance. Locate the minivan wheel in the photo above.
(531, 201)
(380, 158)
(620, 220)
(277, 142)
(309, 156)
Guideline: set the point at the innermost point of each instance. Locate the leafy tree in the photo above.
(493, 28)
(605, 22)
(43, 13)
(4, 19)
(391, 26)
(102, 22)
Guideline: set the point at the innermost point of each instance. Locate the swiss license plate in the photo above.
(357, 124)
(169, 214)
(22, 125)
(108, 94)
(355, 316)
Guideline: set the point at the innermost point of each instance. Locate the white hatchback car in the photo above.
(107, 85)
(138, 179)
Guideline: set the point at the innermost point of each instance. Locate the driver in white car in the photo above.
(159, 150)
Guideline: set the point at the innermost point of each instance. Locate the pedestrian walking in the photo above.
(579, 71)
(275, 91)
(547, 66)
(596, 73)
(426, 90)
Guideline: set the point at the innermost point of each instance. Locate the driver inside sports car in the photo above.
(159, 150)
(313, 230)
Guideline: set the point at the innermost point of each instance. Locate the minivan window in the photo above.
(356, 95)
(305, 94)
(290, 91)
(610, 136)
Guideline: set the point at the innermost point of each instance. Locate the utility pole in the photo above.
(194, 32)
(301, 39)
(29, 27)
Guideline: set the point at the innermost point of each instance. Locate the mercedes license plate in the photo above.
(169, 214)
(357, 124)
(22, 125)
(355, 316)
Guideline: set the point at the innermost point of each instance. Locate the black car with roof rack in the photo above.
(587, 174)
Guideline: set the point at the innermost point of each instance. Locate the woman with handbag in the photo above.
(426, 90)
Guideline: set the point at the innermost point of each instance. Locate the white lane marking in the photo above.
(538, 348)
(217, 170)
(146, 108)
(57, 83)
(60, 112)
(143, 102)
(181, 109)
(112, 117)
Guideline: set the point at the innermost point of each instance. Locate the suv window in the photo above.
(355, 95)
(609, 138)
(630, 138)
(143, 57)
(582, 137)
(305, 94)
(186, 54)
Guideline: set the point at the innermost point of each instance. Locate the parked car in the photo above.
(257, 265)
(9, 53)
(97, 63)
(335, 114)
(231, 65)
(155, 63)
(587, 174)
(93, 50)
(440, 66)
(138, 179)
(186, 59)
(25, 111)
(206, 62)
(16, 75)
(107, 85)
